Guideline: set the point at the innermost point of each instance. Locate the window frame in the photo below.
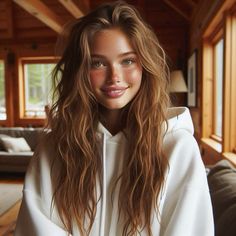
(21, 118)
(229, 144)
(223, 25)
(8, 73)
(209, 84)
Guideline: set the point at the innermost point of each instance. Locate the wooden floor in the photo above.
(8, 219)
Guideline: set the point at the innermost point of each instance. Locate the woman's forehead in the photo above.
(110, 40)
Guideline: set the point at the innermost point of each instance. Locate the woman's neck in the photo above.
(113, 120)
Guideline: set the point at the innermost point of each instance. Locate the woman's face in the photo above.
(116, 72)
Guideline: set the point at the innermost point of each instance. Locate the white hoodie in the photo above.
(184, 203)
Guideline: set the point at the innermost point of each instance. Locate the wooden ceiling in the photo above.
(21, 19)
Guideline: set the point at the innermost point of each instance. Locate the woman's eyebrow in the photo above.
(98, 55)
(120, 55)
(127, 54)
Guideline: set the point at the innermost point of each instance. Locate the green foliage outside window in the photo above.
(38, 88)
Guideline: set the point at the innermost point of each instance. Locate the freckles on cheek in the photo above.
(96, 78)
(135, 75)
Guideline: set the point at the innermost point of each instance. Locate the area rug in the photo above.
(9, 195)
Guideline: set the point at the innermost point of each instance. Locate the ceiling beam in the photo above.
(177, 9)
(42, 12)
(72, 8)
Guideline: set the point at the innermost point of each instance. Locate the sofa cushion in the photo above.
(2, 148)
(18, 161)
(12, 144)
(222, 184)
(31, 135)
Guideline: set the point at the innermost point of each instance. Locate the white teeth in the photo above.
(115, 91)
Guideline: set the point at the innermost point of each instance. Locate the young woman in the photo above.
(116, 161)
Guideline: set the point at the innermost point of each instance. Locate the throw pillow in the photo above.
(12, 144)
(2, 148)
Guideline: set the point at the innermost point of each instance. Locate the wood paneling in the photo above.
(27, 26)
(12, 77)
(43, 13)
(6, 26)
(29, 35)
(206, 24)
(202, 16)
(72, 8)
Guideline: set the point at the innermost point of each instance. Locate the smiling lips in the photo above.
(114, 92)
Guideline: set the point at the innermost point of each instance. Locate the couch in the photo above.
(17, 145)
(222, 185)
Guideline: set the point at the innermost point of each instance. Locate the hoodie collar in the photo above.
(119, 137)
(177, 118)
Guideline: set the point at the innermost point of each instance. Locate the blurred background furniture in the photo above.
(21, 146)
(222, 185)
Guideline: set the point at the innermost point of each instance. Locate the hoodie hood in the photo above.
(179, 118)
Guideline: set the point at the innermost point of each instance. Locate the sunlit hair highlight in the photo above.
(75, 114)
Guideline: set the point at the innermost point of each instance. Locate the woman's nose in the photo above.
(114, 74)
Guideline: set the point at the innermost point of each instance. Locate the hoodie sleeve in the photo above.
(187, 208)
(36, 218)
(32, 221)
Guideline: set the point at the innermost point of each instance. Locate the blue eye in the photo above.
(97, 64)
(128, 61)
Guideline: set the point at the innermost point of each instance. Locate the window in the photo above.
(218, 88)
(213, 80)
(37, 86)
(2, 92)
(219, 84)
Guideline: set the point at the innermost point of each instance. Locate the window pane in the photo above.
(219, 56)
(38, 86)
(3, 115)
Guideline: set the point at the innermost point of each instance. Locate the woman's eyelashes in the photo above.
(96, 64)
(128, 61)
(99, 64)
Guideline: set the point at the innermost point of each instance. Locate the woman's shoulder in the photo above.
(179, 127)
(179, 143)
(179, 118)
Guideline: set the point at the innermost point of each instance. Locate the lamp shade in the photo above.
(177, 82)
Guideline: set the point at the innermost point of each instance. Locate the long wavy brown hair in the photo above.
(75, 114)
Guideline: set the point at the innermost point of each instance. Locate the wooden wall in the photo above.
(11, 54)
(199, 23)
(23, 35)
(172, 31)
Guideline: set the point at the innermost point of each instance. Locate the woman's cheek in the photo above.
(135, 75)
(97, 78)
